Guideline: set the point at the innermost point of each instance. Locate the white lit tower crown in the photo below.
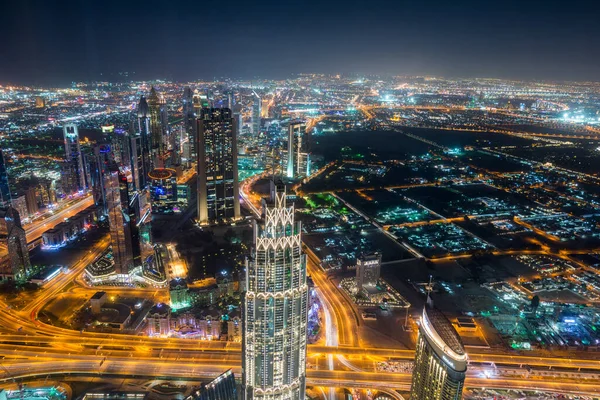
(440, 359)
(275, 306)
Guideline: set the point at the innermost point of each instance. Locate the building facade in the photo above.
(4, 186)
(13, 238)
(275, 307)
(440, 359)
(74, 159)
(142, 146)
(158, 127)
(218, 186)
(368, 270)
(118, 221)
(223, 387)
(256, 106)
(298, 158)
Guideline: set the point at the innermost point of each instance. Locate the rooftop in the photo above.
(443, 327)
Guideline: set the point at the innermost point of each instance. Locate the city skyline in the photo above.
(292, 233)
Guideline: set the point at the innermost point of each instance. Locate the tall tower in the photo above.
(199, 102)
(275, 306)
(440, 359)
(74, 158)
(5, 198)
(237, 117)
(256, 115)
(189, 120)
(156, 107)
(298, 161)
(218, 186)
(12, 236)
(143, 149)
(117, 201)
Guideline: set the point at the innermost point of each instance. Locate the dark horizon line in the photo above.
(131, 79)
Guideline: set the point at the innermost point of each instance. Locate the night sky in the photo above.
(56, 42)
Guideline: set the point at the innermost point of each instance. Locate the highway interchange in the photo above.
(30, 349)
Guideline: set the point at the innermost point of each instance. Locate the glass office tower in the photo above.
(218, 186)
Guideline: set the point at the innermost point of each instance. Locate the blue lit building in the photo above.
(76, 179)
(4, 186)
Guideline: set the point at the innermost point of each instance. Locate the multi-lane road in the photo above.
(30, 348)
(35, 230)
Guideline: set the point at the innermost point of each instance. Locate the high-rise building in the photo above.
(19, 203)
(5, 197)
(218, 186)
(275, 306)
(256, 115)
(143, 145)
(238, 118)
(223, 387)
(264, 108)
(189, 121)
(298, 157)
(230, 99)
(199, 102)
(31, 200)
(12, 236)
(74, 159)
(98, 164)
(158, 127)
(440, 359)
(368, 269)
(118, 219)
(188, 106)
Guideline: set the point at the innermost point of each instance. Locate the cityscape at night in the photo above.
(223, 228)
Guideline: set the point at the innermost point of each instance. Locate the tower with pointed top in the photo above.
(275, 306)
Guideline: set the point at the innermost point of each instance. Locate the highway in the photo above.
(30, 348)
(207, 369)
(35, 230)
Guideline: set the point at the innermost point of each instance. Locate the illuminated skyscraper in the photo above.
(12, 236)
(237, 117)
(368, 269)
(298, 158)
(98, 165)
(199, 102)
(117, 202)
(4, 185)
(158, 127)
(275, 306)
(223, 387)
(256, 115)
(188, 106)
(440, 359)
(189, 120)
(74, 159)
(142, 145)
(218, 187)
